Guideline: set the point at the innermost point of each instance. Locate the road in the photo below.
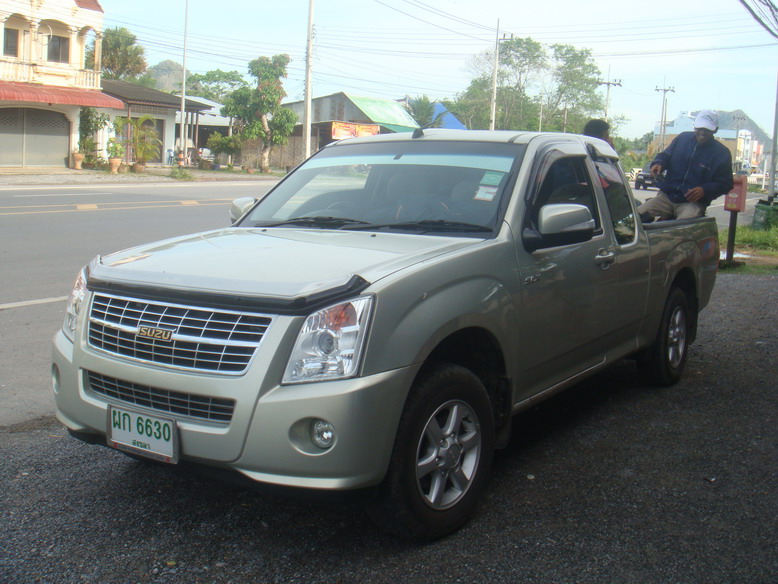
(48, 233)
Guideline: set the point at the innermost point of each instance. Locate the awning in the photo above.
(10, 91)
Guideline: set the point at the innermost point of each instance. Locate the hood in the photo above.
(270, 263)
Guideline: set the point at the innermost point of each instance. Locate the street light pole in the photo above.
(307, 110)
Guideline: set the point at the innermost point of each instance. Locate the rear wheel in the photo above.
(441, 457)
(663, 362)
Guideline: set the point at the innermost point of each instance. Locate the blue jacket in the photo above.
(690, 165)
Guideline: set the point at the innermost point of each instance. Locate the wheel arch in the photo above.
(477, 350)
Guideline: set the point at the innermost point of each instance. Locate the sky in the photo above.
(711, 53)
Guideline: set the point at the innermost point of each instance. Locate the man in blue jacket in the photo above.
(699, 169)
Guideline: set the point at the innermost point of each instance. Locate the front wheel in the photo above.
(441, 457)
(663, 362)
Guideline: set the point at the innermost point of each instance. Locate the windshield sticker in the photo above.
(492, 178)
(485, 193)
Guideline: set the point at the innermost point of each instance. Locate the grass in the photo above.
(752, 239)
(761, 245)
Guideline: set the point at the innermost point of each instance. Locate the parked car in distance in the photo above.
(644, 178)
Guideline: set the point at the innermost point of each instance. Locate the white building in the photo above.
(43, 79)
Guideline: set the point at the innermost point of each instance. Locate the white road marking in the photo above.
(32, 302)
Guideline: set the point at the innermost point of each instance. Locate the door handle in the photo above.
(605, 258)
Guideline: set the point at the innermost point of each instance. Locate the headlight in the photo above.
(330, 342)
(75, 301)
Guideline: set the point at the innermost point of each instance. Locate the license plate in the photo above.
(144, 435)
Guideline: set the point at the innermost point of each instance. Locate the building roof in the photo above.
(447, 119)
(89, 5)
(386, 112)
(12, 91)
(134, 94)
(210, 116)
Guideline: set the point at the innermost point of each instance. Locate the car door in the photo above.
(567, 291)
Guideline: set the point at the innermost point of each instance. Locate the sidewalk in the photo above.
(68, 176)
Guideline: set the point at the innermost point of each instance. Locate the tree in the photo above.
(422, 110)
(123, 58)
(554, 87)
(140, 139)
(258, 110)
(214, 85)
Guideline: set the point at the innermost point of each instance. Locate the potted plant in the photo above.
(78, 159)
(115, 151)
(140, 139)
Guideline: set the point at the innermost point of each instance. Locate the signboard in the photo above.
(736, 199)
(341, 130)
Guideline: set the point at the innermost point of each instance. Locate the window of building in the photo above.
(11, 43)
(59, 49)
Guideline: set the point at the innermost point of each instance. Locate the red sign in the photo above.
(342, 130)
(735, 200)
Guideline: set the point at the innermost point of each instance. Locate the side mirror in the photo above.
(239, 207)
(561, 224)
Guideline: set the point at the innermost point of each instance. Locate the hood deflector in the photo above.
(299, 306)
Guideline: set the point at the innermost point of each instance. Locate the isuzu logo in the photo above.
(150, 332)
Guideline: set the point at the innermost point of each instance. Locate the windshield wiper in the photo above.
(424, 225)
(318, 221)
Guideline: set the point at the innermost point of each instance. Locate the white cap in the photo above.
(707, 119)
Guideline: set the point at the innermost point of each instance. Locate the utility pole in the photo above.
(493, 114)
(736, 162)
(608, 83)
(182, 127)
(307, 110)
(663, 123)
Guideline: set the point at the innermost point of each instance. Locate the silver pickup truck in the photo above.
(372, 324)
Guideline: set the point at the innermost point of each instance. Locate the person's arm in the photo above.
(721, 182)
(662, 160)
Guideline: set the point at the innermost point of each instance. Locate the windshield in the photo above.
(451, 188)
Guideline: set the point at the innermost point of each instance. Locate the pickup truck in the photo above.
(371, 325)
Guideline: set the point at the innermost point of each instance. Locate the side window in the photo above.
(618, 200)
(59, 49)
(567, 181)
(11, 43)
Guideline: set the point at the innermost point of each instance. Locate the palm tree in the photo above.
(423, 111)
(123, 58)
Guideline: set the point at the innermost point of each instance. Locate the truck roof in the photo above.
(495, 136)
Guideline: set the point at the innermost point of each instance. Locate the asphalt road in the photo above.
(614, 481)
(48, 232)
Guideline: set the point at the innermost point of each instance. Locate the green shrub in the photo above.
(181, 174)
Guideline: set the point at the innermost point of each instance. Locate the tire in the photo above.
(441, 457)
(663, 362)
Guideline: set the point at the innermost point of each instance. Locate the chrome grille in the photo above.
(213, 409)
(201, 339)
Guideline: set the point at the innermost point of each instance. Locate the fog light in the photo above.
(322, 433)
(55, 378)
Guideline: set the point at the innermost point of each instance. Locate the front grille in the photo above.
(213, 409)
(200, 339)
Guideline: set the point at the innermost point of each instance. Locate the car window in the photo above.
(617, 197)
(395, 185)
(566, 180)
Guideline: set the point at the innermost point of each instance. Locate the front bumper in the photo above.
(267, 438)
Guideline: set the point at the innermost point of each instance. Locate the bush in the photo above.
(181, 174)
